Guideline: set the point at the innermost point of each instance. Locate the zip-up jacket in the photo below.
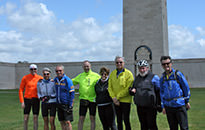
(46, 88)
(86, 83)
(102, 95)
(172, 95)
(65, 91)
(29, 84)
(118, 85)
(146, 88)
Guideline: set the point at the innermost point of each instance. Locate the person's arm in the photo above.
(21, 90)
(71, 92)
(132, 90)
(53, 94)
(76, 80)
(128, 83)
(185, 88)
(39, 91)
(110, 87)
(161, 95)
(156, 82)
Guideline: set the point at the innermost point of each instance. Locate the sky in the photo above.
(72, 31)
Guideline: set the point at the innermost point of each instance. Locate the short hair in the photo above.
(165, 58)
(60, 66)
(104, 69)
(117, 57)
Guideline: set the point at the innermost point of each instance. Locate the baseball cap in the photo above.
(33, 66)
(47, 69)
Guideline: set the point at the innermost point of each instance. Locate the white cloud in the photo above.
(183, 43)
(201, 30)
(40, 37)
(36, 35)
(201, 42)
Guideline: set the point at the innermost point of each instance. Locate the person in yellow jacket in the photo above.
(86, 81)
(118, 87)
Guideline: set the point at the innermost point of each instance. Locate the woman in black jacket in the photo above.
(104, 101)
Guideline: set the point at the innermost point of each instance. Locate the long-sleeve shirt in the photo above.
(174, 94)
(86, 83)
(118, 85)
(46, 88)
(65, 91)
(29, 84)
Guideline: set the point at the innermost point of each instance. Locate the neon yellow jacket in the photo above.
(119, 86)
(86, 83)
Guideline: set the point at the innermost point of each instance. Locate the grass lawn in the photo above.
(12, 115)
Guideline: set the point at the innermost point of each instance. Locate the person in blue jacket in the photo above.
(47, 95)
(64, 96)
(175, 94)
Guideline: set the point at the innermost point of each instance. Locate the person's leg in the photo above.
(45, 119)
(35, 109)
(142, 118)
(35, 122)
(44, 112)
(126, 114)
(119, 117)
(52, 116)
(92, 110)
(151, 115)
(109, 116)
(68, 125)
(92, 120)
(61, 118)
(63, 125)
(182, 118)
(52, 122)
(171, 117)
(27, 110)
(26, 118)
(114, 126)
(101, 113)
(82, 114)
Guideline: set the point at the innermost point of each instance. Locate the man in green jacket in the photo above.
(86, 81)
(118, 87)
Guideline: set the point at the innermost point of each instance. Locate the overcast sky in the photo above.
(67, 31)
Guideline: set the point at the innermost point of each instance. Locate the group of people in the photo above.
(111, 93)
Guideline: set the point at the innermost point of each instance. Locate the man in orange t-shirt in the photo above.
(30, 98)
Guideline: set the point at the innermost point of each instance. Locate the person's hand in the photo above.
(22, 105)
(114, 99)
(133, 90)
(116, 102)
(188, 106)
(164, 111)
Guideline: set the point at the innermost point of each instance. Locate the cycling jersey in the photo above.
(29, 84)
(86, 83)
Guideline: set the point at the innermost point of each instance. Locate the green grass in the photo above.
(12, 115)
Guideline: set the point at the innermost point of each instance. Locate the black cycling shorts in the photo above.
(83, 108)
(64, 116)
(34, 103)
(48, 107)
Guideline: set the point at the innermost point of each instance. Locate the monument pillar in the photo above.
(145, 32)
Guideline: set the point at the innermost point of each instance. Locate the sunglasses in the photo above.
(59, 70)
(33, 69)
(103, 74)
(166, 63)
(46, 74)
(119, 62)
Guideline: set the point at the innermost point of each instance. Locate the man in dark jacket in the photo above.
(144, 89)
